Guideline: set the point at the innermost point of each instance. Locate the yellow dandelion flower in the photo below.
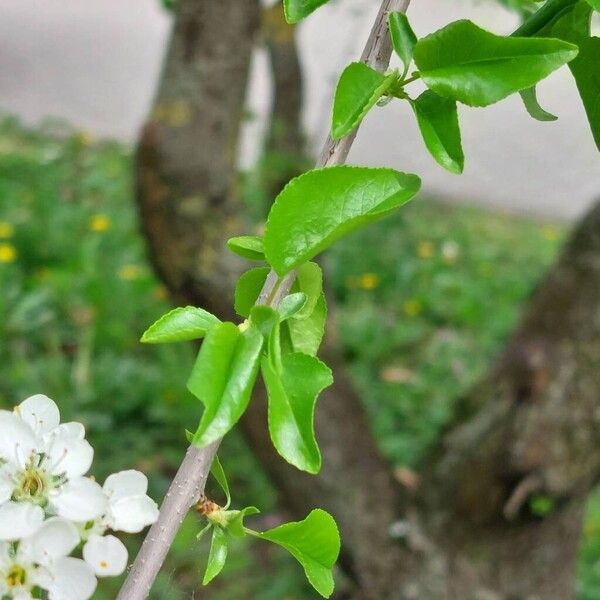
(412, 307)
(6, 230)
(550, 233)
(8, 253)
(368, 281)
(129, 272)
(425, 249)
(100, 223)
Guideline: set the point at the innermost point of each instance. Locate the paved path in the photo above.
(95, 63)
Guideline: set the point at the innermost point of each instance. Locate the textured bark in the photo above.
(529, 428)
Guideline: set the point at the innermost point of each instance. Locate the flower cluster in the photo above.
(49, 509)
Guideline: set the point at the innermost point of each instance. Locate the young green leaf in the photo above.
(529, 97)
(217, 555)
(314, 543)
(595, 4)
(291, 305)
(292, 394)
(403, 37)
(223, 378)
(180, 325)
(219, 474)
(357, 91)
(309, 280)
(320, 206)
(438, 121)
(247, 246)
(247, 289)
(466, 63)
(264, 318)
(296, 10)
(305, 335)
(236, 524)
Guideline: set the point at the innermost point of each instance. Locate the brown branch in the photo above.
(192, 474)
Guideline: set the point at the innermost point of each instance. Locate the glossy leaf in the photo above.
(180, 325)
(357, 91)
(217, 555)
(529, 97)
(309, 280)
(305, 335)
(320, 206)
(291, 305)
(403, 37)
(247, 246)
(247, 289)
(314, 543)
(292, 394)
(438, 121)
(218, 473)
(466, 63)
(296, 10)
(223, 378)
(236, 524)
(595, 4)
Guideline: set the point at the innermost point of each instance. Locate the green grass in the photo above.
(425, 299)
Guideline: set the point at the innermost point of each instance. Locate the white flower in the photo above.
(42, 468)
(107, 556)
(42, 561)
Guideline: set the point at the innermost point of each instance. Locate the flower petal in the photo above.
(132, 514)
(79, 500)
(17, 440)
(67, 454)
(39, 412)
(54, 539)
(72, 580)
(19, 520)
(6, 483)
(125, 483)
(107, 556)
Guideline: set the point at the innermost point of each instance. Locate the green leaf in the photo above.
(247, 246)
(236, 524)
(305, 335)
(438, 121)
(292, 394)
(217, 555)
(309, 280)
(274, 347)
(219, 474)
(465, 63)
(264, 318)
(595, 4)
(201, 533)
(296, 10)
(291, 305)
(320, 206)
(357, 91)
(529, 97)
(223, 378)
(314, 543)
(586, 70)
(247, 289)
(180, 325)
(403, 37)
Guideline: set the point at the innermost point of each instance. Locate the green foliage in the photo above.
(292, 391)
(247, 246)
(314, 543)
(223, 378)
(291, 305)
(309, 281)
(466, 63)
(180, 325)
(529, 97)
(218, 473)
(217, 555)
(305, 335)
(358, 90)
(247, 289)
(320, 206)
(296, 10)
(438, 121)
(403, 38)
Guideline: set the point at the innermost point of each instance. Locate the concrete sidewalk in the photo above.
(96, 62)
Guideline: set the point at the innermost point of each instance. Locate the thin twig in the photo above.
(189, 482)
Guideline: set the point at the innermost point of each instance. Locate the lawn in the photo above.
(425, 299)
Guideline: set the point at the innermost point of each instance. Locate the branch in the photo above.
(189, 482)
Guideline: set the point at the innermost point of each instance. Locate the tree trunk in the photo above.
(529, 428)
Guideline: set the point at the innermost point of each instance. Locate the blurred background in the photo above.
(424, 299)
